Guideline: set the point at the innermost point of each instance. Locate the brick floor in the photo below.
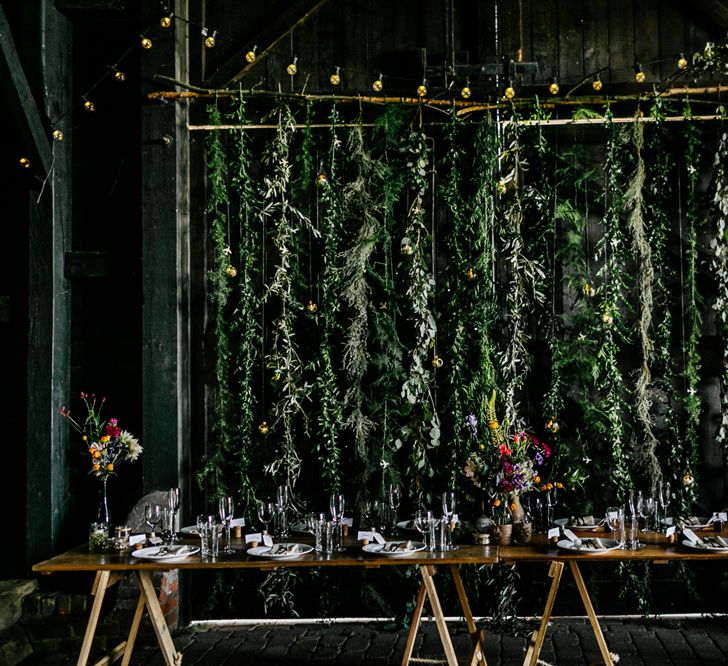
(569, 642)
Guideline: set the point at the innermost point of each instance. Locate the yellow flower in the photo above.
(105, 438)
(496, 502)
(96, 467)
(493, 425)
(481, 446)
(537, 479)
(84, 438)
(95, 454)
(110, 467)
(549, 486)
(559, 484)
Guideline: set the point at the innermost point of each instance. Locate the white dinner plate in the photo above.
(702, 523)
(602, 545)
(293, 550)
(164, 554)
(711, 548)
(300, 528)
(407, 525)
(382, 548)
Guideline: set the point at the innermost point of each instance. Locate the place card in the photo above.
(256, 536)
(267, 540)
(455, 518)
(364, 535)
(134, 539)
(349, 522)
(670, 531)
(571, 536)
(554, 533)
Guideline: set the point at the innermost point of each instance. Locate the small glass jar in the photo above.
(121, 538)
(98, 538)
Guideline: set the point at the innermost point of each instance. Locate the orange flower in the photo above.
(493, 425)
(96, 467)
(513, 506)
(105, 438)
(95, 453)
(496, 502)
(559, 484)
(110, 467)
(537, 479)
(549, 486)
(543, 487)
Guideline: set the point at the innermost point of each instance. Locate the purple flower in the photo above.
(473, 423)
(539, 458)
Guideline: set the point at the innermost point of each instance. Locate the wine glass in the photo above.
(152, 516)
(336, 506)
(649, 504)
(395, 499)
(173, 500)
(226, 509)
(283, 496)
(664, 498)
(423, 524)
(265, 513)
(635, 504)
(366, 513)
(449, 503)
(615, 521)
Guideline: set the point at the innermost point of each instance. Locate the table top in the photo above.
(538, 550)
(79, 559)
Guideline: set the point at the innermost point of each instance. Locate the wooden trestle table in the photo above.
(109, 568)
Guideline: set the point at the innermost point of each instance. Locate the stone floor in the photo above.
(701, 641)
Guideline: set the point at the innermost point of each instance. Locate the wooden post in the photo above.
(49, 348)
(165, 261)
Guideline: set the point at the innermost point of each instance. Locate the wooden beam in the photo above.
(717, 10)
(18, 96)
(96, 264)
(92, 6)
(236, 68)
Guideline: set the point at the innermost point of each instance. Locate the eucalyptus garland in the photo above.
(422, 432)
(283, 360)
(634, 204)
(719, 264)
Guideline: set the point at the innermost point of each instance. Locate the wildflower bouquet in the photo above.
(507, 464)
(106, 443)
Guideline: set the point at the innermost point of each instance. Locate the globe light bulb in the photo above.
(510, 91)
(210, 40)
(292, 67)
(378, 85)
(165, 21)
(119, 76)
(466, 92)
(58, 135)
(554, 87)
(335, 78)
(24, 162)
(146, 43)
(89, 106)
(682, 62)
(251, 55)
(421, 89)
(639, 74)
(597, 83)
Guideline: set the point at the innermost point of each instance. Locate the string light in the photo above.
(209, 39)
(378, 85)
(251, 55)
(422, 88)
(466, 92)
(292, 67)
(554, 86)
(119, 75)
(510, 91)
(165, 21)
(89, 105)
(24, 163)
(57, 135)
(146, 43)
(597, 83)
(335, 78)
(639, 74)
(682, 62)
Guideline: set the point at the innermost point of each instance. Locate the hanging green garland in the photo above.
(719, 264)
(213, 464)
(283, 360)
(422, 431)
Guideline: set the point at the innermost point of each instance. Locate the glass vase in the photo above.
(103, 515)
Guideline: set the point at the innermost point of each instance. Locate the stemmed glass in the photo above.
(395, 498)
(649, 504)
(423, 524)
(265, 513)
(615, 522)
(152, 516)
(173, 500)
(226, 509)
(635, 504)
(663, 497)
(449, 503)
(283, 495)
(336, 506)
(366, 512)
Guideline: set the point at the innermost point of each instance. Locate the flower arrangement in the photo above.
(106, 443)
(508, 464)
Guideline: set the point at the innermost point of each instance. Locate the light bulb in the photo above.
(89, 106)
(146, 43)
(209, 39)
(165, 21)
(465, 93)
(119, 76)
(510, 91)
(597, 83)
(682, 62)
(251, 55)
(422, 90)
(292, 67)
(639, 75)
(378, 85)
(335, 78)
(58, 135)
(25, 163)
(554, 87)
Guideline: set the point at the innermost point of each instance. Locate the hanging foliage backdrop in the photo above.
(372, 280)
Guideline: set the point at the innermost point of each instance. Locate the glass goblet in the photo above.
(173, 500)
(265, 513)
(614, 519)
(226, 509)
(336, 506)
(152, 516)
(423, 524)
